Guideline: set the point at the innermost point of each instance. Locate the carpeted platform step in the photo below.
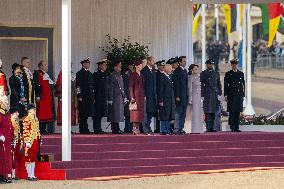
(161, 169)
(173, 153)
(120, 155)
(168, 161)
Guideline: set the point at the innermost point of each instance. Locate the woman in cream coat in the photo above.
(194, 111)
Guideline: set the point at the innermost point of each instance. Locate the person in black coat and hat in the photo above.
(210, 93)
(234, 92)
(100, 79)
(17, 97)
(85, 95)
(161, 67)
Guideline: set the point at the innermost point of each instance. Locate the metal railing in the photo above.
(270, 61)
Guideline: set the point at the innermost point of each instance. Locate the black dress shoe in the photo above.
(238, 130)
(15, 178)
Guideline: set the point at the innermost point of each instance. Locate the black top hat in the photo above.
(13, 110)
(30, 107)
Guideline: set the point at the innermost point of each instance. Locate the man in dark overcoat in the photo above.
(210, 93)
(234, 92)
(149, 75)
(180, 81)
(166, 100)
(100, 80)
(85, 95)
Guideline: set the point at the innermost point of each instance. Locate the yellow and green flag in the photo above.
(271, 17)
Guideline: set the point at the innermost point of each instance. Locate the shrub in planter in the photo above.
(124, 50)
(262, 120)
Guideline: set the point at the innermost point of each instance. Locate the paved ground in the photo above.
(242, 180)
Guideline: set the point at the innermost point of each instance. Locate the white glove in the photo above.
(202, 98)
(109, 102)
(219, 97)
(2, 138)
(190, 102)
(28, 145)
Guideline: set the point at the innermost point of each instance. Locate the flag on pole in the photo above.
(281, 24)
(196, 16)
(230, 12)
(271, 15)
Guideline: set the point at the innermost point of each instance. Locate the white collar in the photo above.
(150, 68)
(166, 74)
(183, 68)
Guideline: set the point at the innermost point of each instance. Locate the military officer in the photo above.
(161, 66)
(85, 96)
(234, 92)
(210, 93)
(100, 78)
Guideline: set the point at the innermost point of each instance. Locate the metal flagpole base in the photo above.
(249, 110)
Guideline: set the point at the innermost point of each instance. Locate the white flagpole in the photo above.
(190, 41)
(249, 110)
(66, 80)
(203, 14)
(217, 21)
(244, 48)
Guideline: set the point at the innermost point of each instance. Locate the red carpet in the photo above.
(107, 157)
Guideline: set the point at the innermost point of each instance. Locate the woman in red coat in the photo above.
(136, 87)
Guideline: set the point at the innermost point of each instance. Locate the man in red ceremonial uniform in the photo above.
(58, 94)
(6, 138)
(3, 80)
(44, 98)
(32, 139)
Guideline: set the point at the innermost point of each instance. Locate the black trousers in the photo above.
(83, 126)
(234, 120)
(210, 120)
(128, 126)
(50, 127)
(157, 129)
(97, 124)
(115, 128)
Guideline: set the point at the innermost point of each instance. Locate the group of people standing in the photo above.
(164, 90)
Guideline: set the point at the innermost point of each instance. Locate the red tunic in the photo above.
(32, 136)
(6, 130)
(136, 88)
(3, 83)
(58, 93)
(45, 106)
